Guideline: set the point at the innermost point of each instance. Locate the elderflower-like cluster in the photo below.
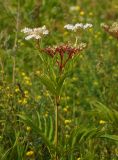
(77, 26)
(35, 33)
(113, 29)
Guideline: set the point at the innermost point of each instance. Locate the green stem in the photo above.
(2, 69)
(76, 40)
(14, 67)
(15, 42)
(57, 99)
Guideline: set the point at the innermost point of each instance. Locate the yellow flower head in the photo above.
(30, 153)
(28, 82)
(28, 128)
(65, 109)
(82, 13)
(102, 122)
(67, 121)
(23, 74)
(17, 89)
(37, 98)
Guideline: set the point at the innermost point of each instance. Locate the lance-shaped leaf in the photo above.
(48, 83)
(112, 137)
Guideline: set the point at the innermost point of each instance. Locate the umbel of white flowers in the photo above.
(77, 26)
(35, 33)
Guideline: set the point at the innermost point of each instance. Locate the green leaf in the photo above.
(60, 81)
(106, 113)
(112, 137)
(42, 126)
(50, 85)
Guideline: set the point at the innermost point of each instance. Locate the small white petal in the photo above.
(44, 27)
(69, 27)
(46, 32)
(37, 37)
(26, 30)
(29, 37)
(87, 25)
(79, 25)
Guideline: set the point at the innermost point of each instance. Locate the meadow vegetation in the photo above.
(58, 80)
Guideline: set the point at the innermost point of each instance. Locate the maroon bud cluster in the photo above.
(50, 51)
(62, 50)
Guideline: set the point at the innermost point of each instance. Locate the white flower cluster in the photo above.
(77, 26)
(36, 33)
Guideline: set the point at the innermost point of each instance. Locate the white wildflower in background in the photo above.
(111, 29)
(87, 25)
(69, 26)
(36, 33)
(77, 26)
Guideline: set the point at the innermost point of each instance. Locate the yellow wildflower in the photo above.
(19, 101)
(30, 153)
(17, 89)
(38, 72)
(27, 82)
(102, 122)
(37, 98)
(46, 94)
(23, 74)
(24, 101)
(67, 121)
(26, 78)
(78, 8)
(65, 109)
(28, 128)
(26, 94)
(82, 13)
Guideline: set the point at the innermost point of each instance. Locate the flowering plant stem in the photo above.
(57, 102)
